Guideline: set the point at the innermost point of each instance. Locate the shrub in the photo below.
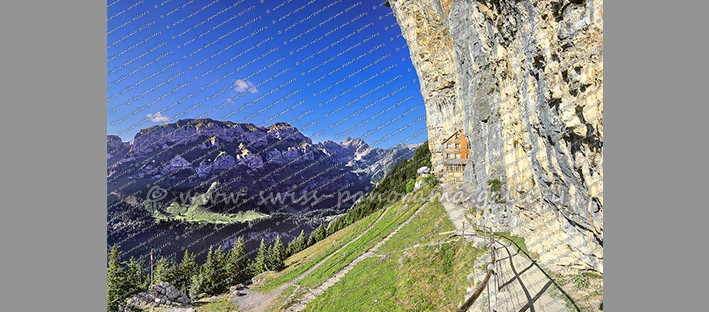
(494, 185)
(410, 185)
(430, 180)
(580, 281)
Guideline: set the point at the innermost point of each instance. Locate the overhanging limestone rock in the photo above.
(523, 81)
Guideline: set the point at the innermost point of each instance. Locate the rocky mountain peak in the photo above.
(113, 142)
(115, 147)
(356, 145)
(282, 130)
(280, 125)
(188, 131)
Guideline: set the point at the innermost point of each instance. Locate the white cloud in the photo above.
(241, 86)
(157, 117)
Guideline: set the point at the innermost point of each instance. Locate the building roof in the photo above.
(456, 162)
(452, 135)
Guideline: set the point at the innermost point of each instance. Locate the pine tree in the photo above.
(331, 228)
(278, 255)
(198, 287)
(270, 259)
(163, 271)
(296, 244)
(260, 263)
(237, 263)
(301, 242)
(319, 233)
(312, 239)
(116, 283)
(217, 279)
(184, 272)
(209, 271)
(289, 249)
(207, 267)
(136, 279)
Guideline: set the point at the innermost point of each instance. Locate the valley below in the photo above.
(198, 183)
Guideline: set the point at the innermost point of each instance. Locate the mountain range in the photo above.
(189, 179)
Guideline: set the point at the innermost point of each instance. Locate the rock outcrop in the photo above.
(115, 148)
(523, 80)
(160, 294)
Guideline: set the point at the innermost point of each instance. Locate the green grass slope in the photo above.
(393, 216)
(304, 260)
(410, 272)
(413, 270)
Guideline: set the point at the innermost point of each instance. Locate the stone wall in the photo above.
(523, 80)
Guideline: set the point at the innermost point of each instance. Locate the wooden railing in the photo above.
(480, 289)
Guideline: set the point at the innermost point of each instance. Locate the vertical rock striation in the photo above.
(523, 80)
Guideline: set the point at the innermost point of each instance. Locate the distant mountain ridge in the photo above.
(194, 156)
(206, 147)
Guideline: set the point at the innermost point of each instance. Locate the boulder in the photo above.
(234, 290)
(159, 294)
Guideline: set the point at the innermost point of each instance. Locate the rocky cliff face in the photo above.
(523, 80)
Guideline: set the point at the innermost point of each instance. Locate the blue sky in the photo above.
(332, 69)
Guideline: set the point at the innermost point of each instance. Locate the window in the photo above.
(457, 136)
(448, 145)
(456, 168)
(457, 145)
(448, 156)
(457, 156)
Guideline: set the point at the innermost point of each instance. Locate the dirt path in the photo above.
(522, 285)
(462, 225)
(257, 302)
(311, 294)
(248, 299)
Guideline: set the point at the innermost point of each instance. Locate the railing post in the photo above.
(497, 286)
(492, 294)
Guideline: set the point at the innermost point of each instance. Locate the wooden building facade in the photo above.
(455, 154)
